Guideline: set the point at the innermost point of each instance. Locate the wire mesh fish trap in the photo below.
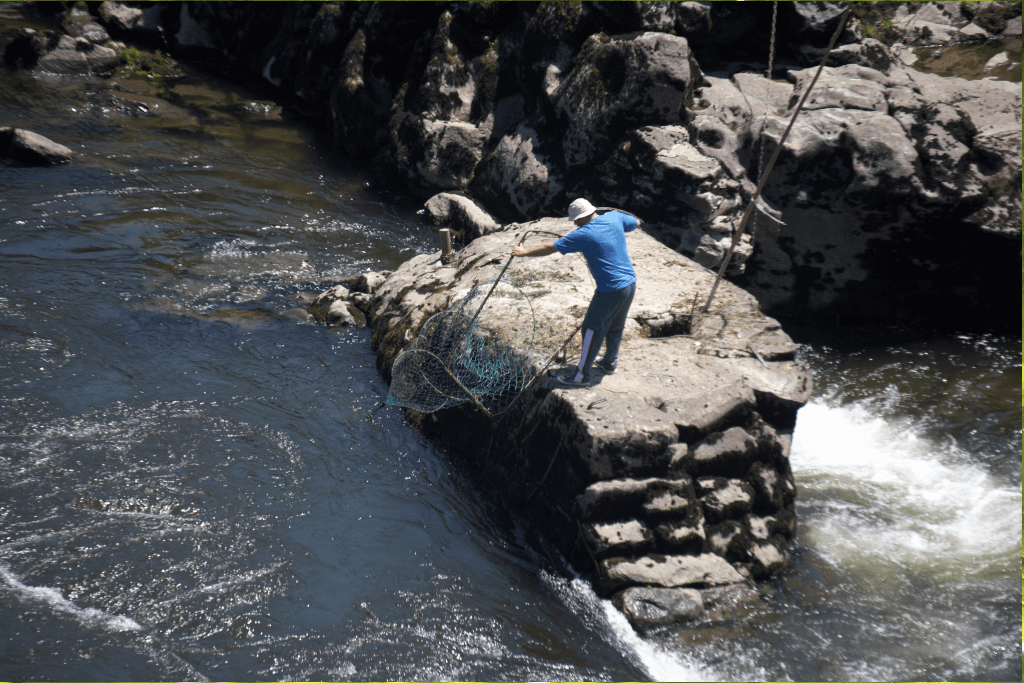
(485, 348)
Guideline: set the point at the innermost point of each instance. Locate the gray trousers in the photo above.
(604, 322)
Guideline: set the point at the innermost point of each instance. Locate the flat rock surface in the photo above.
(733, 343)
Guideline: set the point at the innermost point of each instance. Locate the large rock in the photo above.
(32, 149)
(607, 470)
(460, 214)
(649, 608)
(667, 572)
(874, 160)
(620, 84)
(520, 176)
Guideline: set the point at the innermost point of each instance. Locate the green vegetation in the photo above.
(153, 65)
(876, 22)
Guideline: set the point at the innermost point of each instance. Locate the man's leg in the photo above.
(613, 339)
(605, 309)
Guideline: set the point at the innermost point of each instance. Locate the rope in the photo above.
(771, 163)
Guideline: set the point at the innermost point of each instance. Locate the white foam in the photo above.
(659, 663)
(880, 488)
(89, 616)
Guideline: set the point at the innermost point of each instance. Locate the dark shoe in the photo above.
(606, 368)
(568, 379)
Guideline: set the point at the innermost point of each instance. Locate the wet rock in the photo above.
(78, 23)
(729, 602)
(344, 314)
(368, 282)
(766, 559)
(650, 608)
(335, 307)
(32, 149)
(76, 56)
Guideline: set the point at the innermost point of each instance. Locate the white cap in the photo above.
(580, 208)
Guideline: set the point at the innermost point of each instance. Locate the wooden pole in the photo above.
(446, 245)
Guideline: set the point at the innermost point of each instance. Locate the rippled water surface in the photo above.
(193, 483)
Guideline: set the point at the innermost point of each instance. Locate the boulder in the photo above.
(729, 602)
(32, 149)
(78, 23)
(77, 56)
(684, 537)
(60, 54)
(123, 19)
(521, 177)
(368, 282)
(650, 608)
(335, 307)
(461, 214)
(766, 559)
(612, 497)
(620, 84)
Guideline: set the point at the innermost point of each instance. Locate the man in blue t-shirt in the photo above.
(602, 240)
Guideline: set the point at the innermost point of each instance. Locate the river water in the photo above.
(194, 485)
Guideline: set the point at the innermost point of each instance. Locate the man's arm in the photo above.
(541, 250)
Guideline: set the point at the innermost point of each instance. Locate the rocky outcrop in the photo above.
(521, 107)
(885, 163)
(52, 52)
(32, 149)
(671, 475)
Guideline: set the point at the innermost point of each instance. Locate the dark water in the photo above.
(193, 485)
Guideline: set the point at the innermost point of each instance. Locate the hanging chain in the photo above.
(767, 94)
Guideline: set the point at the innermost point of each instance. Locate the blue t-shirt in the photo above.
(603, 242)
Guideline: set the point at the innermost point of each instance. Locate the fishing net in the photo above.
(487, 346)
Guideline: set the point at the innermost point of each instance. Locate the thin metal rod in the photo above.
(771, 162)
